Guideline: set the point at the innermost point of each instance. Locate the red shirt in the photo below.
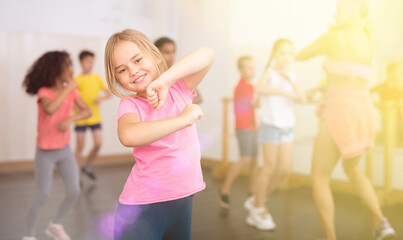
(243, 105)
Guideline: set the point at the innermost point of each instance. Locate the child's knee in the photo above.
(73, 194)
(42, 197)
(350, 169)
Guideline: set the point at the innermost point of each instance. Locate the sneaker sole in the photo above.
(388, 235)
(251, 223)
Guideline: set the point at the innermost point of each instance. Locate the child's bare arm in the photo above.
(132, 132)
(191, 68)
(263, 89)
(50, 106)
(316, 48)
(83, 111)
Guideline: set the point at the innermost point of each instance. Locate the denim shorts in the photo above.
(84, 127)
(274, 135)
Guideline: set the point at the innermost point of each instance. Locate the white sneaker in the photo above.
(56, 232)
(260, 219)
(249, 204)
(29, 238)
(384, 231)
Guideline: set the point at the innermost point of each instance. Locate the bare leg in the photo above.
(364, 187)
(233, 174)
(252, 175)
(97, 136)
(270, 153)
(284, 164)
(324, 160)
(79, 147)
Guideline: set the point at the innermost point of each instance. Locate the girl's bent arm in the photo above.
(262, 89)
(191, 68)
(133, 133)
(84, 110)
(50, 106)
(298, 94)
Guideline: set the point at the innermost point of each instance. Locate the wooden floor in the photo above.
(92, 216)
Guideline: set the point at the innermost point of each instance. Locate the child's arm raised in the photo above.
(191, 68)
(319, 47)
(83, 112)
(133, 133)
(50, 106)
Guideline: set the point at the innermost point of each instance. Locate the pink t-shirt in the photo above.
(169, 168)
(48, 136)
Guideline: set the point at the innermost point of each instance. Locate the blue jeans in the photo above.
(155, 221)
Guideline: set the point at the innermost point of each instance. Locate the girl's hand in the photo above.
(191, 113)
(157, 92)
(64, 126)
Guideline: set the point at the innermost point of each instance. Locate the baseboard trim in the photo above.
(28, 165)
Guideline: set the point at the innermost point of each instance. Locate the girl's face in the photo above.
(284, 55)
(134, 70)
(168, 51)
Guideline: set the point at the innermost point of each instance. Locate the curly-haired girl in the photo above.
(51, 78)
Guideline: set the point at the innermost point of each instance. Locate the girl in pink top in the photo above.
(51, 78)
(157, 120)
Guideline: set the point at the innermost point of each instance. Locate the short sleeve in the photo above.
(127, 106)
(45, 92)
(184, 91)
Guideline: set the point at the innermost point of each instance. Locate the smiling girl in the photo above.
(158, 122)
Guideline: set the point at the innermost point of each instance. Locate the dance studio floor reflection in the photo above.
(92, 216)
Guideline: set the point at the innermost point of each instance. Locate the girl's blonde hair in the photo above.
(145, 46)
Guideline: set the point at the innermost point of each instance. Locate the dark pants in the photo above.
(156, 221)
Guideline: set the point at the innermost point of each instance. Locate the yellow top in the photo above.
(90, 86)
